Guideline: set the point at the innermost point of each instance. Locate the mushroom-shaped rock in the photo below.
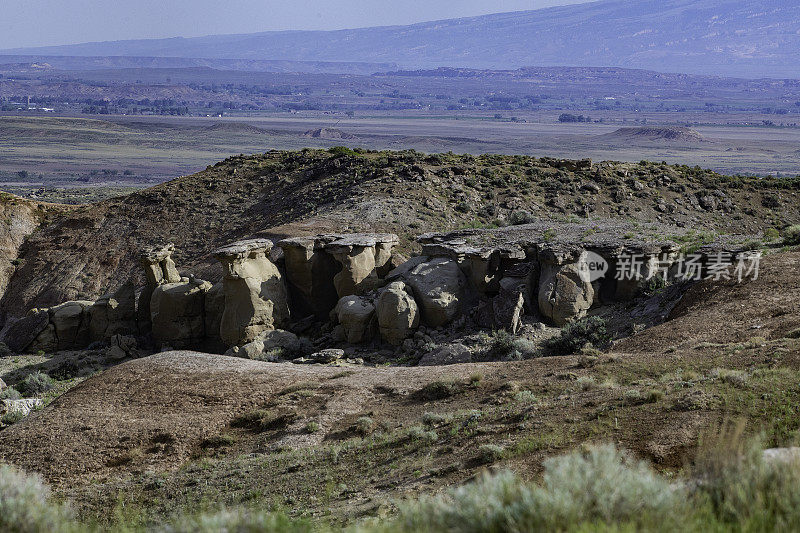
(159, 268)
(360, 255)
(438, 287)
(357, 316)
(398, 314)
(309, 275)
(565, 288)
(255, 295)
(177, 313)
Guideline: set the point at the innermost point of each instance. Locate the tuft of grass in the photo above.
(526, 396)
(419, 433)
(434, 419)
(439, 390)
(217, 441)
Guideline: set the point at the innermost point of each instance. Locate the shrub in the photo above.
(10, 394)
(438, 390)
(745, 490)
(433, 419)
(771, 234)
(4, 350)
(420, 433)
(578, 334)
(599, 485)
(239, 521)
(505, 346)
(525, 396)
(341, 150)
(365, 425)
(11, 418)
(36, 384)
(490, 453)
(791, 235)
(517, 218)
(26, 506)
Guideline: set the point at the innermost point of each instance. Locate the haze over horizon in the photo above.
(34, 23)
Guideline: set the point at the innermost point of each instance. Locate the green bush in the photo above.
(517, 218)
(10, 394)
(600, 485)
(26, 505)
(238, 521)
(341, 150)
(791, 235)
(36, 384)
(575, 336)
(505, 346)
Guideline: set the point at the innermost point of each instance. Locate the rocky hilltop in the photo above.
(91, 250)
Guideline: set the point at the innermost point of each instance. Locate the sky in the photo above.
(26, 23)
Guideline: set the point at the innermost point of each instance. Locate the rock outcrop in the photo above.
(565, 288)
(357, 316)
(177, 314)
(255, 294)
(438, 287)
(113, 314)
(159, 268)
(398, 314)
(361, 256)
(309, 275)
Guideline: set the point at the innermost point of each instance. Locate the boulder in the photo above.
(113, 314)
(121, 347)
(565, 290)
(310, 271)
(447, 355)
(255, 294)
(21, 406)
(398, 314)
(438, 287)
(356, 315)
(46, 341)
(18, 334)
(176, 313)
(71, 324)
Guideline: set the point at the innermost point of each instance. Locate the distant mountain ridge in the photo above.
(743, 38)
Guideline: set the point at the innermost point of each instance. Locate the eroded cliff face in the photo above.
(18, 219)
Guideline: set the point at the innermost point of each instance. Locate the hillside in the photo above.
(723, 37)
(95, 247)
(210, 428)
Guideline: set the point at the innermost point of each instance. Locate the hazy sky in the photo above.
(50, 22)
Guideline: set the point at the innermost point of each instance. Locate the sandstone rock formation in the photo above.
(309, 275)
(176, 313)
(255, 294)
(565, 289)
(113, 314)
(159, 268)
(438, 287)
(398, 314)
(361, 255)
(357, 316)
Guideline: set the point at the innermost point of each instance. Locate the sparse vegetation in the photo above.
(575, 336)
